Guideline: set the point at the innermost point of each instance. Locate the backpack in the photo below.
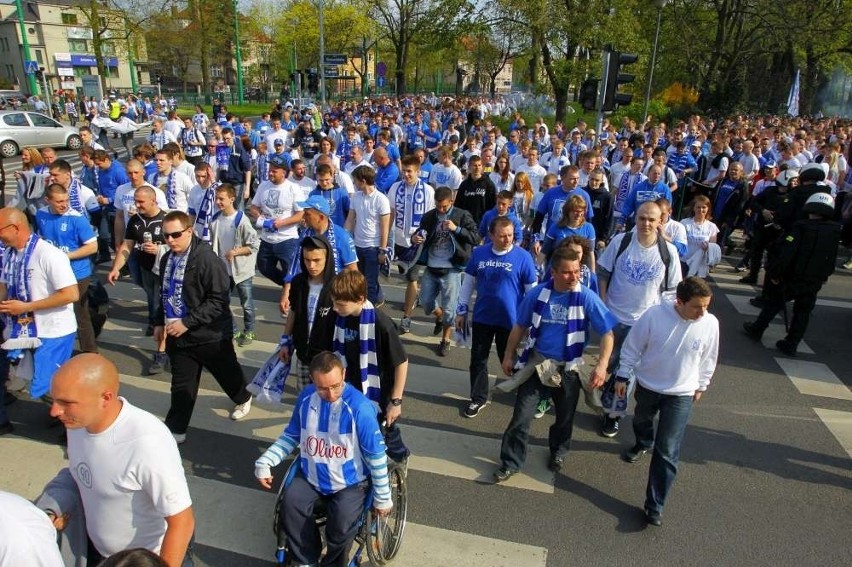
(661, 246)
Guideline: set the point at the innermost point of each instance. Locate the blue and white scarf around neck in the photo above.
(367, 357)
(16, 270)
(171, 188)
(418, 205)
(575, 334)
(173, 302)
(205, 214)
(74, 197)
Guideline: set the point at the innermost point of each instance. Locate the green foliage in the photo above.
(657, 110)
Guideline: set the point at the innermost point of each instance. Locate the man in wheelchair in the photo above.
(342, 456)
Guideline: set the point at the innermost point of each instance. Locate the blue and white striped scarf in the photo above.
(16, 273)
(367, 357)
(575, 336)
(171, 188)
(418, 205)
(205, 215)
(172, 291)
(74, 197)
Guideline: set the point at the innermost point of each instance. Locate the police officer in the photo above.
(806, 257)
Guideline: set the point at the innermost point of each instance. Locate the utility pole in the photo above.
(602, 92)
(240, 98)
(31, 82)
(322, 54)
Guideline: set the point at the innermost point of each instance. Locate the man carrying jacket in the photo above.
(450, 234)
(195, 317)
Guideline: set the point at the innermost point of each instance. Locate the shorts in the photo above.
(413, 273)
(47, 359)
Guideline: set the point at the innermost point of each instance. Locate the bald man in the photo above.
(37, 292)
(125, 464)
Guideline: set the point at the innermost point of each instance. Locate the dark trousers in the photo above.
(187, 363)
(368, 264)
(762, 240)
(274, 260)
(297, 515)
(513, 452)
(674, 413)
(804, 296)
(85, 330)
(480, 350)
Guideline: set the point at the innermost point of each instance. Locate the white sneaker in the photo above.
(241, 410)
(180, 438)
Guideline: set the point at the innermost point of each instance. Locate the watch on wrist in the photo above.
(396, 401)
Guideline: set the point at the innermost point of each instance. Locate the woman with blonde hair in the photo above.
(700, 233)
(522, 195)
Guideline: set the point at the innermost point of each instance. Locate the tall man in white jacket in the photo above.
(671, 353)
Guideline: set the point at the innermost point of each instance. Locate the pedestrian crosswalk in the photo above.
(451, 453)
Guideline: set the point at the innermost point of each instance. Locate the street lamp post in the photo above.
(240, 98)
(322, 52)
(31, 82)
(660, 4)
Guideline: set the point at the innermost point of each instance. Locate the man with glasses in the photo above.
(37, 291)
(195, 318)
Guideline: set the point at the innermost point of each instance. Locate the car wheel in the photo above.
(74, 142)
(8, 149)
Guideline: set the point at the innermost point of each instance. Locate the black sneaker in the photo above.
(444, 348)
(633, 455)
(610, 426)
(653, 518)
(751, 331)
(473, 408)
(502, 474)
(555, 463)
(786, 347)
(748, 280)
(758, 302)
(439, 327)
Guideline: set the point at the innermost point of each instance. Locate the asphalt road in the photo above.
(765, 467)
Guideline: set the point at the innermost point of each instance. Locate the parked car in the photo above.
(19, 129)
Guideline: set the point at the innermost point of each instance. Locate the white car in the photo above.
(20, 128)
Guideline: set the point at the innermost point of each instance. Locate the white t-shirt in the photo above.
(277, 201)
(187, 169)
(352, 166)
(27, 537)
(617, 170)
(125, 200)
(676, 231)
(751, 165)
(445, 176)
(226, 237)
(499, 184)
(173, 126)
(535, 173)
(50, 271)
(344, 181)
(368, 210)
(636, 279)
(196, 196)
(130, 478)
(305, 184)
(183, 185)
(697, 234)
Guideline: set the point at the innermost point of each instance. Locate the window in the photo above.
(39, 57)
(217, 71)
(42, 121)
(15, 119)
(80, 71)
(78, 46)
(10, 72)
(69, 19)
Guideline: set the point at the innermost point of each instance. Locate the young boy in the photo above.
(503, 208)
(236, 242)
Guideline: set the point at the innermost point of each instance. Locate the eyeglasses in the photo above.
(174, 235)
(332, 388)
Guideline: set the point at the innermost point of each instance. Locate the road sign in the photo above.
(335, 59)
(30, 67)
(381, 69)
(380, 81)
(331, 71)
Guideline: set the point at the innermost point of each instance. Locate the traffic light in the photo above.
(589, 94)
(615, 78)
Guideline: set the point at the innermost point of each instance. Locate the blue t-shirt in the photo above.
(500, 283)
(338, 202)
(552, 338)
(386, 176)
(425, 171)
(344, 248)
(110, 179)
(643, 192)
(67, 232)
(553, 199)
(556, 233)
(490, 216)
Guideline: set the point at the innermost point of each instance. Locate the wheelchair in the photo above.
(380, 537)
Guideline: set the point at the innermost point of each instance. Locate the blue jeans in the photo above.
(513, 451)
(273, 260)
(674, 414)
(246, 302)
(368, 264)
(447, 286)
(480, 350)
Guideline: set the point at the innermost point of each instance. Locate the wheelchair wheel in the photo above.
(384, 535)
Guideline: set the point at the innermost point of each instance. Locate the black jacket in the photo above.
(207, 294)
(238, 164)
(465, 238)
(299, 291)
(808, 253)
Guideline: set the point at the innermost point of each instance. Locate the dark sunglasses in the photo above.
(174, 235)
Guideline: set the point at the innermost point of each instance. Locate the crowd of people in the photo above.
(532, 239)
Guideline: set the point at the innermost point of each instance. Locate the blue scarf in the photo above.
(575, 336)
(24, 334)
(205, 212)
(74, 197)
(171, 188)
(418, 205)
(367, 358)
(173, 286)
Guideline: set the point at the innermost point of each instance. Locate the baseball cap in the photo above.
(317, 203)
(278, 142)
(276, 161)
(695, 144)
